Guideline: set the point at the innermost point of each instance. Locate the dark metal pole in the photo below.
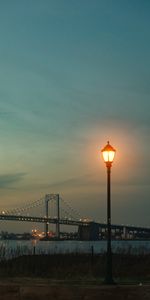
(109, 278)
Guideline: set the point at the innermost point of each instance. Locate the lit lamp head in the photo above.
(108, 153)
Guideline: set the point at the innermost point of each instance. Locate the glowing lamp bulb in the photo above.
(108, 153)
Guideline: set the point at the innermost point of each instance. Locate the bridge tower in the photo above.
(49, 197)
(58, 216)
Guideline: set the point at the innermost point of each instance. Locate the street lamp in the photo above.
(108, 153)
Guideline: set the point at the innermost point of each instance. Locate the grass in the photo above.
(127, 268)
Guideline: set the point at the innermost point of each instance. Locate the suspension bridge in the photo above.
(66, 215)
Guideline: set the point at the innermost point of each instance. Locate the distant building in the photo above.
(89, 232)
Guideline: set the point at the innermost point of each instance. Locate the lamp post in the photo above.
(108, 153)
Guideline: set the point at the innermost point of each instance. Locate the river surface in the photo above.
(10, 249)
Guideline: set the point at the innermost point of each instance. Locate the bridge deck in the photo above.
(69, 222)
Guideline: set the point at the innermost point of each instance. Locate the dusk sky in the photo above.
(74, 74)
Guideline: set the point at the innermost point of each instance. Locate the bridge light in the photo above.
(108, 153)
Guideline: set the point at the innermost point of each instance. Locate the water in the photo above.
(10, 249)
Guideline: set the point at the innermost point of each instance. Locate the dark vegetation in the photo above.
(126, 267)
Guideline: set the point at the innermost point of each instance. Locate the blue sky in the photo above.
(74, 74)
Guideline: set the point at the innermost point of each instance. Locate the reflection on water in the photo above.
(10, 249)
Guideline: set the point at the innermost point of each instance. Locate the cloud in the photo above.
(8, 180)
(74, 181)
(92, 180)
